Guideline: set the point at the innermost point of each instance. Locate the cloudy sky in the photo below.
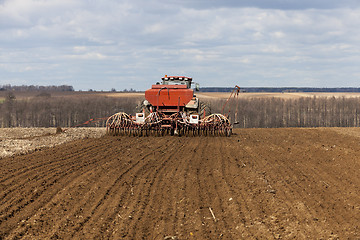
(122, 44)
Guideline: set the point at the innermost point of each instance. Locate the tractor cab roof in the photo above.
(177, 80)
(181, 78)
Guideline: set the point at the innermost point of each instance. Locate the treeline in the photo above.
(301, 112)
(62, 111)
(32, 88)
(279, 90)
(251, 113)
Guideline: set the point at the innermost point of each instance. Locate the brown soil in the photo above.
(258, 184)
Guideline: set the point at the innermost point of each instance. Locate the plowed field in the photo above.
(259, 183)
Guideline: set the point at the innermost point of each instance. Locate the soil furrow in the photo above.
(256, 184)
(54, 184)
(44, 181)
(154, 178)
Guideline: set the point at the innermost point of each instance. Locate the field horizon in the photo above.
(207, 95)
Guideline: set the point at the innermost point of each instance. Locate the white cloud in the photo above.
(87, 56)
(272, 49)
(254, 42)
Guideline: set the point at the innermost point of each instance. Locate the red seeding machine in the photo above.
(170, 107)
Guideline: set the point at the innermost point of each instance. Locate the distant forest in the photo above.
(281, 89)
(68, 111)
(32, 88)
(44, 110)
(61, 88)
(67, 88)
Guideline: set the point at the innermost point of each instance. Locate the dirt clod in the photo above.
(59, 130)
